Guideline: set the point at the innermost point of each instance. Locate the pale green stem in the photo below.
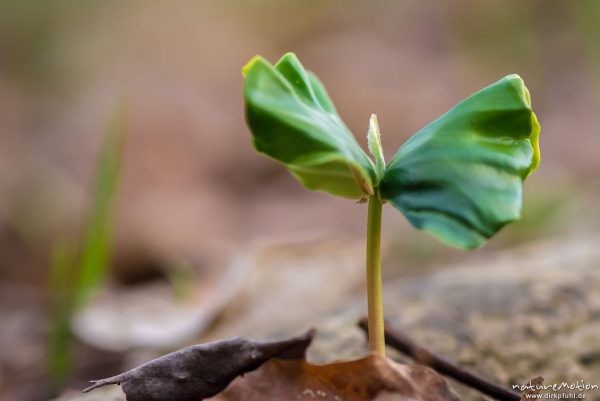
(374, 291)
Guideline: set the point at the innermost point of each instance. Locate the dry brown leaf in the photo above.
(370, 378)
(246, 370)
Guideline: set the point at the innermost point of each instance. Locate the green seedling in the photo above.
(460, 178)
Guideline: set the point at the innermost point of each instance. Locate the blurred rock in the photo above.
(157, 314)
(109, 393)
(292, 283)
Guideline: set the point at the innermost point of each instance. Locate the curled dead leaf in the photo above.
(200, 371)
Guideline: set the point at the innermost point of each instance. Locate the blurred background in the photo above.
(135, 216)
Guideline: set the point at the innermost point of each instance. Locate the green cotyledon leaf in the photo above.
(293, 121)
(461, 177)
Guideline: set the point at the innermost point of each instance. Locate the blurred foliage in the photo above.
(28, 36)
(75, 277)
(62, 269)
(491, 34)
(588, 16)
(545, 212)
(32, 33)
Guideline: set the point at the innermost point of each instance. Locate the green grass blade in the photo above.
(62, 267)
(75, 275)
(96, 249)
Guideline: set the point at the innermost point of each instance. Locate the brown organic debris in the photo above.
(246, 370)
(373, 378)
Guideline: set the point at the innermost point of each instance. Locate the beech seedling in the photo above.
(460, 178)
